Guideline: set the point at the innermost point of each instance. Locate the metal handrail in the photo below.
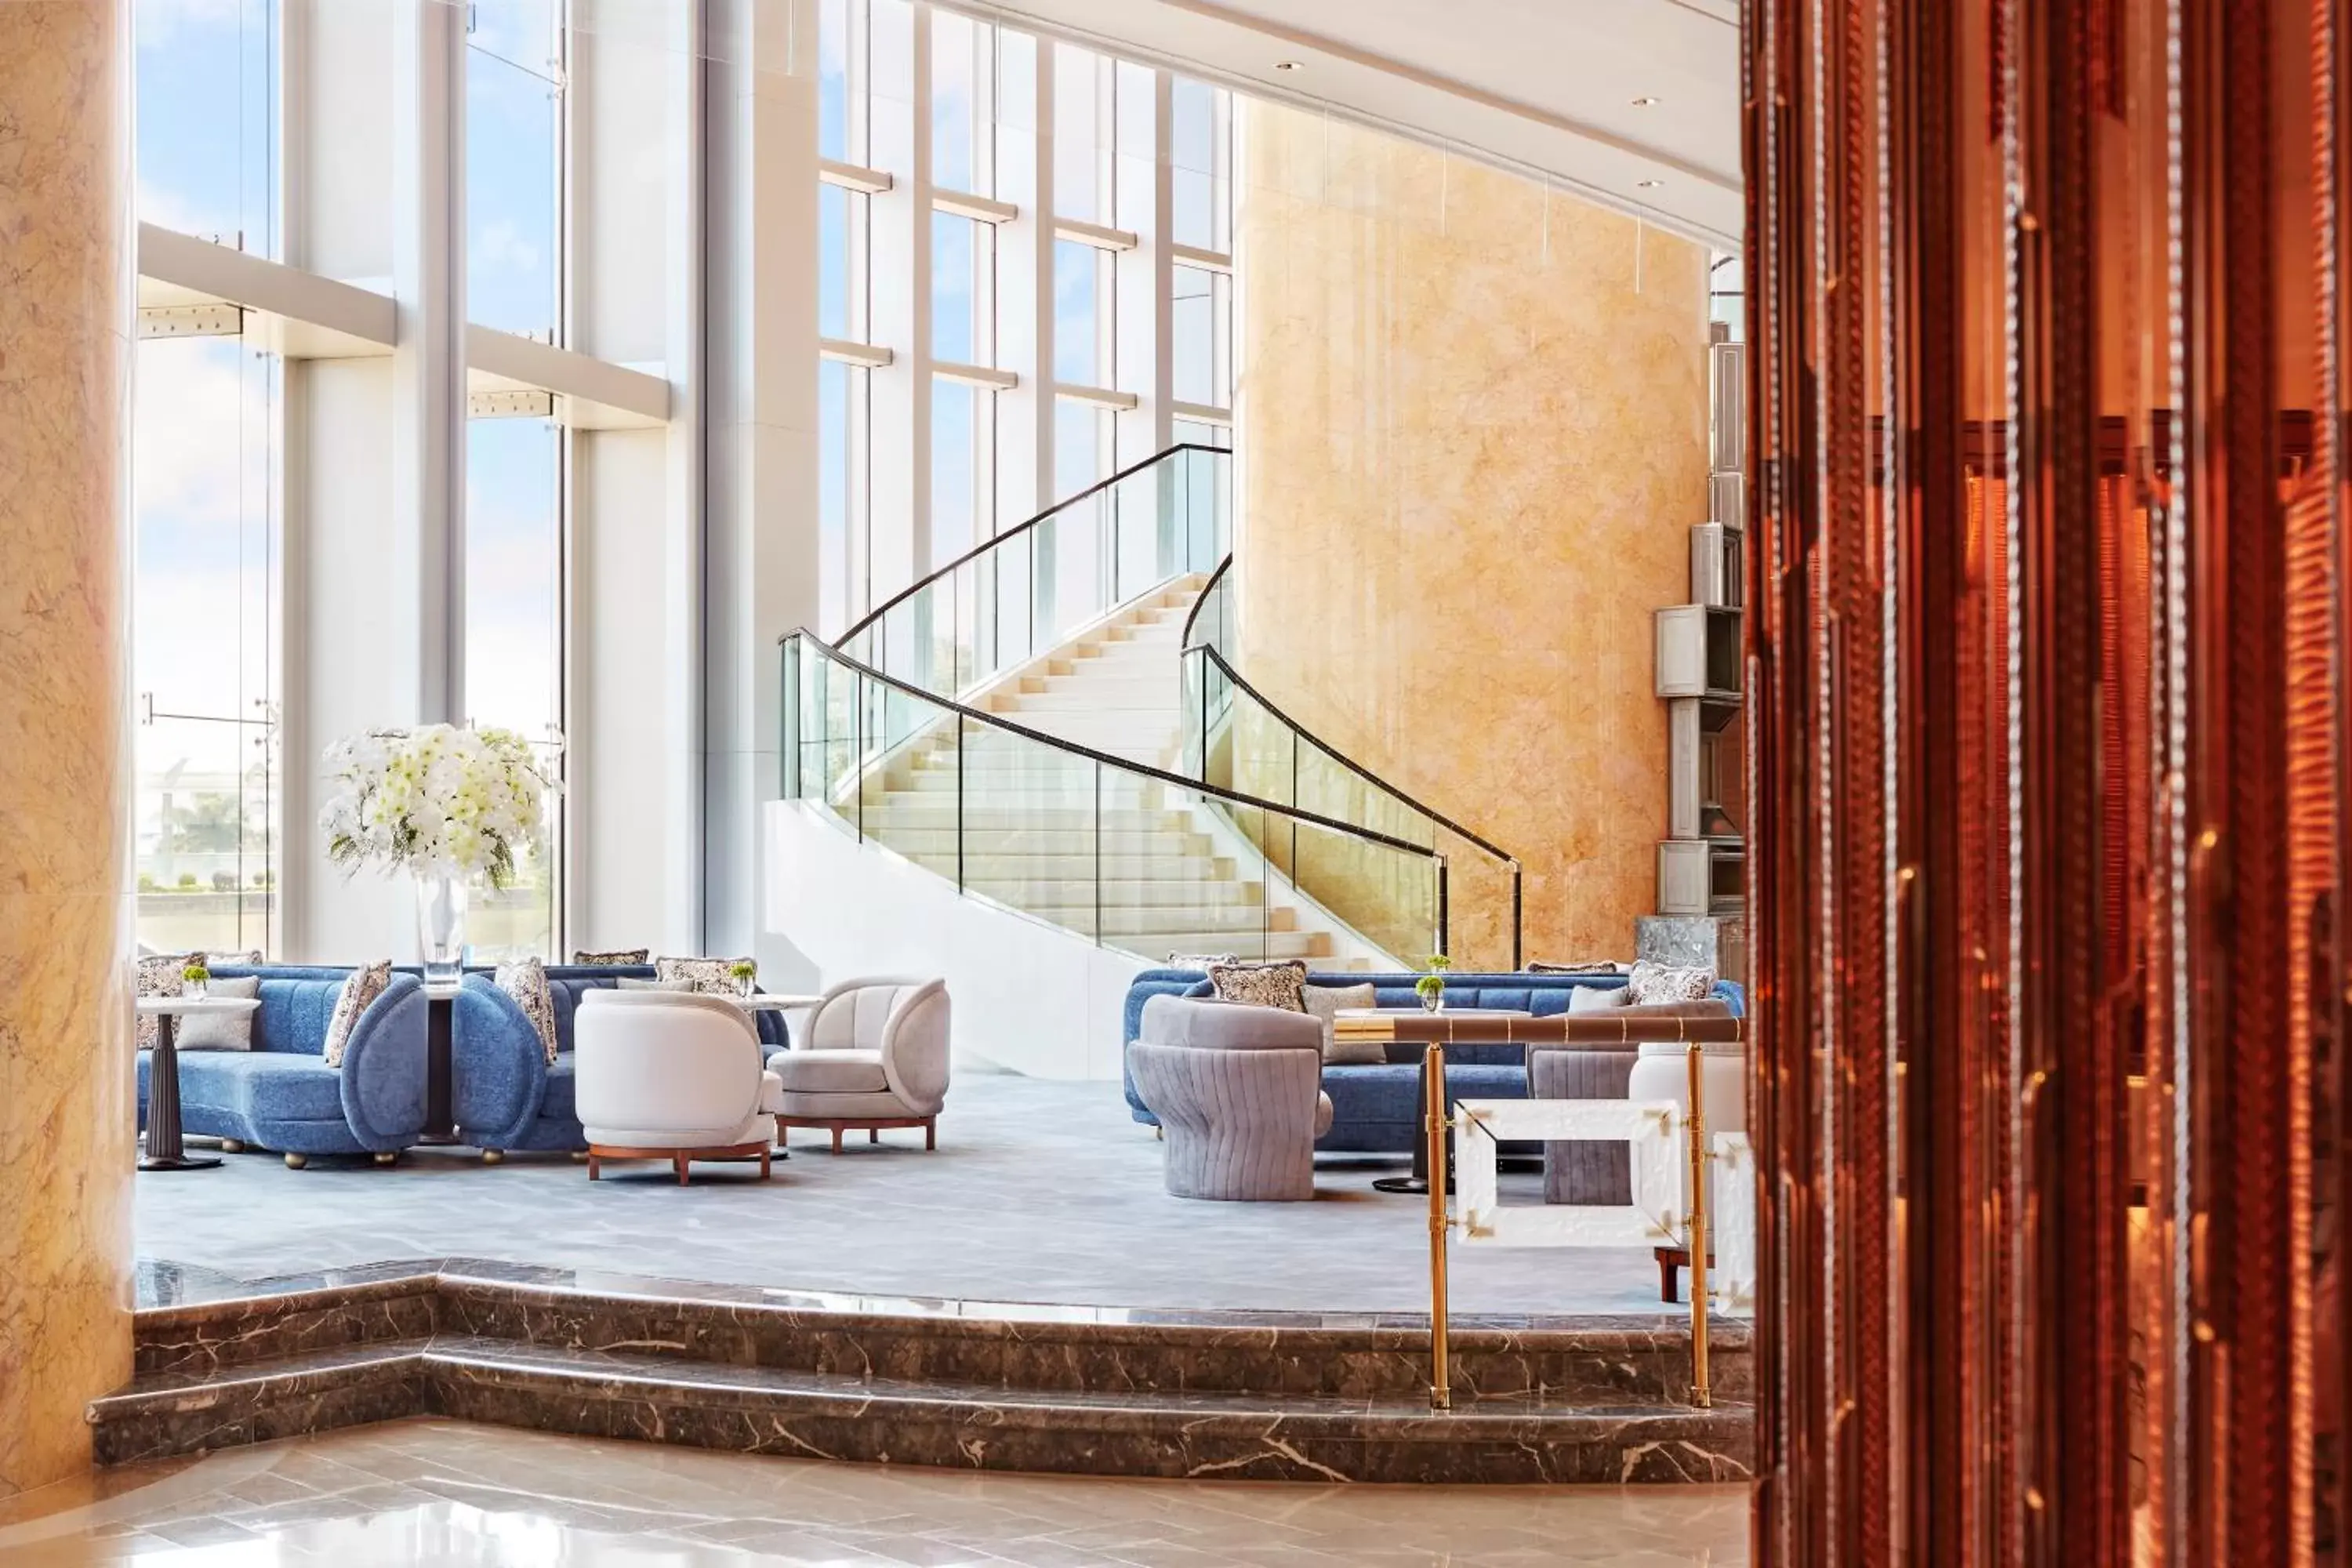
(1354, 767)
(1185, 643)
(1103, 759)
(1017, 530)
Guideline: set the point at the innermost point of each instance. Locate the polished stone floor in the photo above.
(1039, 1192)
(439, 1492)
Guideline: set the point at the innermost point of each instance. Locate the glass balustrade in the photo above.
(1129, 856)
(1035, 586)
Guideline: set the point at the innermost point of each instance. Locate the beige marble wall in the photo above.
(1473, 421)
(66, 1116)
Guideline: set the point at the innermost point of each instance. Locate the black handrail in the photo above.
(1185, 643)
(1124, 765)
(1348, 763)
(984, 546)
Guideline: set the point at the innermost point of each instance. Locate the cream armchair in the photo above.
(874, 1054)
(1662, 1071)
(669, 1075)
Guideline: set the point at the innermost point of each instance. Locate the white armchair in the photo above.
(1662, 1071)
(669, 1075)
(874, 1054)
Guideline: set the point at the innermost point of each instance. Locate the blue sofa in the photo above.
(1373, 1106)
(503, 1093)
(281, 1095)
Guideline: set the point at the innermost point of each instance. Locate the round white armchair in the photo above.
(669, 1075)
(874, 1054)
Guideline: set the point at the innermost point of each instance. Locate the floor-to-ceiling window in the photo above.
(207, 547)
(997, 297)
(514, 449)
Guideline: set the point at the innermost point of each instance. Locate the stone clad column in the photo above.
(66, 1118)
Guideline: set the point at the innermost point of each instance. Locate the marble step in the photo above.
(957, 1424)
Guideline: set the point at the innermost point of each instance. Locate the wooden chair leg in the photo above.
(594, 1169)
(930, 1133)
(763, 1164)
(679, 1161)
(873, 1135)
(836, 1138)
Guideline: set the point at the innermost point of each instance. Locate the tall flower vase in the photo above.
(441, 929)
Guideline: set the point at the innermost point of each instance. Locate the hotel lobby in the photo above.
(1174, 782)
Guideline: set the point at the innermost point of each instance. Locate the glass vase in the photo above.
(1434, 1001)
(441, 930)
(195, 989)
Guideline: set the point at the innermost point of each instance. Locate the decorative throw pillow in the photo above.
(1201, 961)
(628, 982)
(1282, 985)
(707, 975)
(1326, 1002)
(220, 1031)
(1591, 966)
(360, 991)
(1599, 998)
(618, 955)
(526, 982)
(157, 974)
(1663, 983)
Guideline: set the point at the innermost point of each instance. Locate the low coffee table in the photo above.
(163, 1150)
(1401, 1051)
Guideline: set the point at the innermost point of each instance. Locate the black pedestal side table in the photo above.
(164, 1148)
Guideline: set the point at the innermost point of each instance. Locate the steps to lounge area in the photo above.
(1267, 1396)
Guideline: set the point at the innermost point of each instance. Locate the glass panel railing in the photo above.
(1035, 586)
(1235, 740)
(1131, 856)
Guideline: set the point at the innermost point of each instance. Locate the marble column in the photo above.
(66, 1119)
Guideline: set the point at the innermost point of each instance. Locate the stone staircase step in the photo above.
(1270, 1396)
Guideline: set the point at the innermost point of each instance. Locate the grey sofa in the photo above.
(1236, 1089)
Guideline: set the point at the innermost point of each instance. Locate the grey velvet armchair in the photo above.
(1238, 1091)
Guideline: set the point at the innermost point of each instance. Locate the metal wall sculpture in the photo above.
(2049, 568)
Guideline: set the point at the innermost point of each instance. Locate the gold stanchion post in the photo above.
(1433, 1125)
(1696, 1125)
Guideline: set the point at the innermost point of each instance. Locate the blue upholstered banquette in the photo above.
(503, 1092)
(1372, 1104)
(282, 1096)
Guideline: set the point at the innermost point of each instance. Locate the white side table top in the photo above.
(774, 1002)
(179, 1004)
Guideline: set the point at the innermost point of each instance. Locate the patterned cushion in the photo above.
(1654, 982)
(1326, 1002)
(220, 1031)
(618, 955)
(1599, 998)
(709, 975)
(1282, 985)
(158, 975)
(1201, 961)
(359, 993)
(1586, 966)
(526, 982)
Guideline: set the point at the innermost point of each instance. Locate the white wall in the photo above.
(1024, 997)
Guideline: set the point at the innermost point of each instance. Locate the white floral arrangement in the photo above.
(437, 801)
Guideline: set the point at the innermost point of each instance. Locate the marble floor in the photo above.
(1038, 1193)
(439, 1492)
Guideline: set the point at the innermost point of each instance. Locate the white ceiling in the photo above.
(1544, 86)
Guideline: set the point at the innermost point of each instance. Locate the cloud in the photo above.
(499, 244)
(189, 428)
(159, 23)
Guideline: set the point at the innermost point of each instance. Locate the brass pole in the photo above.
(1433, 1125)
(1693, 1056)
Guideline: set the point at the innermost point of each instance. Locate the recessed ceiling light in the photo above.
(1650, 185)
(1646, 101)
(1289, 65)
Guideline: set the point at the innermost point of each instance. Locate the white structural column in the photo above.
(899, 314)
(65, 753)
(428, 410)
(761, 539)
(633, 590)
(354, 578)
(1025, 288)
